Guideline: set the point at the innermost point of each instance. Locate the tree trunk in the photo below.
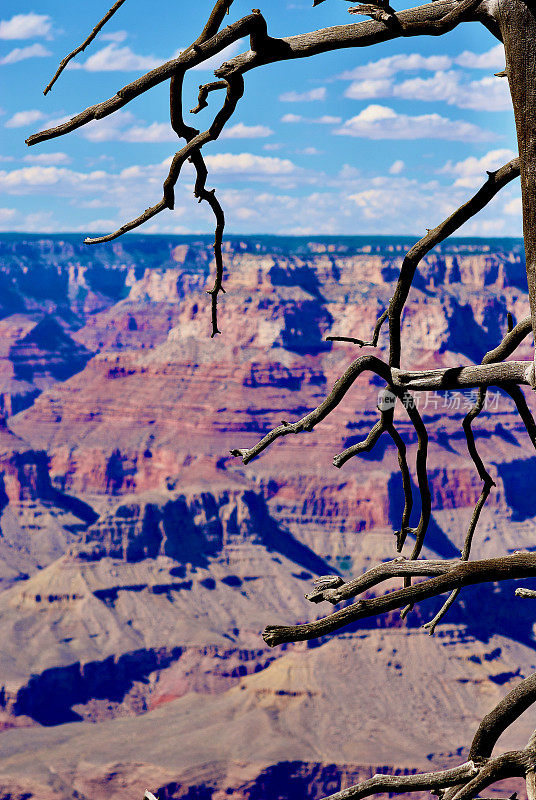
(517, 20)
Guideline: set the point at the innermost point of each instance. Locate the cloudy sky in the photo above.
(387, 139)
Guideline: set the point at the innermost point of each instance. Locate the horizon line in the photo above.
(313, 236)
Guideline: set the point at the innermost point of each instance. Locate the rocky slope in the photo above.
(312, 722)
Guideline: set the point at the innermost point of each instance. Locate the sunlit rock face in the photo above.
(139, 560)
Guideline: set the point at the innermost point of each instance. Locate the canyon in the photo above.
(139, 560)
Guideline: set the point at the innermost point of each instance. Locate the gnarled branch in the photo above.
(512, 567)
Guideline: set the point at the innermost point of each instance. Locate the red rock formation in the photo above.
(162, 598)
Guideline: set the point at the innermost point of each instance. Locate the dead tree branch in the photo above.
(501, 717)
(412, 22)
(191, 57)
(511, 341)
(379, 784)
(63, 63)
(450, 378)
(495, 182)
(373, 342)
(204, 90)
(397, 568)
(469, 573)
(434, 19)
(338, 37)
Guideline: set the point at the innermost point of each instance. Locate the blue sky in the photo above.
(387, 139)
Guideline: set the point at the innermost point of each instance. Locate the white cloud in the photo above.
(214, 62)
(369, 89)
(348, 173)
(120, 127)
(7, 214)
(326, 119)
(116, 59)
(348, 202)
(156, 132)
(123, 127)
(487, 94)
(108, 129)
(39, 221)
(115, 128)
(55, 121)
(248, 164)
(442, 86)
(491, 59)
(513, 207)
(20, 53)
(25, 26)
(23, 118)
(471, 172)
(114, 36)
(304, 97)
(49, 159)
(101, 225)
(112, 58)
(21, 181)
(397, 167)
(388, 67)
(381, 122)
(374, 72)
(376, 79)
(354, 205)
(241, 131)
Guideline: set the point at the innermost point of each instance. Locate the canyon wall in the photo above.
(139, 560)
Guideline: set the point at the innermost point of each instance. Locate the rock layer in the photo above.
(140, 561)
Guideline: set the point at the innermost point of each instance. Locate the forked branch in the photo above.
(513, 567)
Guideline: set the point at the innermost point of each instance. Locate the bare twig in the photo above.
(148, 214)
(431, 626)
(361, 447)
(406, 487)
(200, 190)
(524, 412)
(235, 90)
(422, 480)
(209, 196)
(204, 90)
(63, 63)
(373, 342)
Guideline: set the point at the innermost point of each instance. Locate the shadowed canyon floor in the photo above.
(139, 561)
